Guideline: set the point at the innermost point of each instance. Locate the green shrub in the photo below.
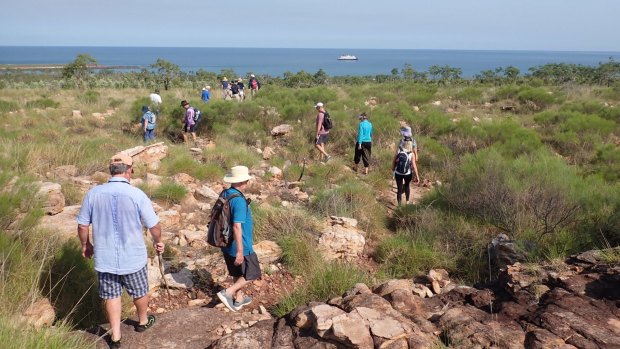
(507, 92)
(351, 199)
(299, 253)
(71, 282)
(16, 336)
(328, 281)
(539, 96)
(470, 94)
(90, 97)
(403, 257)
(180, 161)
(275, 223)
(170, 192)
(6, 107)
(42, 103)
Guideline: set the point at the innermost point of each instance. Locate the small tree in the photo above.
(166, 71)
(78, 70)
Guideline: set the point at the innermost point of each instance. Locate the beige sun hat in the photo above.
(225, 79)
(237, 174)
(121, 158)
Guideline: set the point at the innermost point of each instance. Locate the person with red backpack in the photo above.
(254, 85)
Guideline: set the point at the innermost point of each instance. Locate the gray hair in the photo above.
(116, 169)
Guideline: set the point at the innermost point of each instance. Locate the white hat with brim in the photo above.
(237, 174)
(319, 104)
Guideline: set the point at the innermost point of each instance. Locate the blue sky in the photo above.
(569, 25)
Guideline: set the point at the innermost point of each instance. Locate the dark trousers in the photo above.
(363, 153)
(402, 186)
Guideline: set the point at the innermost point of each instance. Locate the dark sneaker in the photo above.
(245, 301)
(150, 321)
(115, 344)
(328, 158)
(227, 300)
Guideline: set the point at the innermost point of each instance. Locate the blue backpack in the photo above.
(151, 118)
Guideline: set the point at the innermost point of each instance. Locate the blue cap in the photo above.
(145, 108)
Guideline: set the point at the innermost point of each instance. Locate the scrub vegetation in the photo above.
(535, 156)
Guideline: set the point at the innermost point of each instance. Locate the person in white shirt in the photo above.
(155, 98)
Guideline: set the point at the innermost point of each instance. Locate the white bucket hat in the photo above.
(237, 174)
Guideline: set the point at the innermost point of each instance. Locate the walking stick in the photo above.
(161, 270)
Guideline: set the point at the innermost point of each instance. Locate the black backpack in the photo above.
(197, 116)
(403, 165)
(327, 121)
(220, 233)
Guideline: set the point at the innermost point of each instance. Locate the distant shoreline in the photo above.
(60, 66)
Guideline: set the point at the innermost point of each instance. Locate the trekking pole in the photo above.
(161, 270)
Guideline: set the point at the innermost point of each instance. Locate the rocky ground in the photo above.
(574, 304)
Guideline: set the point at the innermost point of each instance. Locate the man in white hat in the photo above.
(241, 260)
(117, 210)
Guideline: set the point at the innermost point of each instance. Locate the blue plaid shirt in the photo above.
(116, 211)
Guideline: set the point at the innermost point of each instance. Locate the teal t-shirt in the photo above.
(241, 213)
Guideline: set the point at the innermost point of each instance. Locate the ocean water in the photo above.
(277, 61)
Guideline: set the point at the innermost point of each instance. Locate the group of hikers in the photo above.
(117, 213)
(235, 90)
(404, 164)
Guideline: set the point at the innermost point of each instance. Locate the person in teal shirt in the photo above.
(363, 146)
(241, 260)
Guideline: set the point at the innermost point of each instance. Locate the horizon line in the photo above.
(318, 48)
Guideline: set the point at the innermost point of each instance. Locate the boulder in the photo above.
(148, 155)
(344, 221)
(39, 314)
(206, 193)
(66, 171)
(63, 223)
(259, 335)
(275, 172)
(339, 242)
(268, 153)
(153, 272)
(504, 251)
(169, 219)
(76, 114)
(268, 252)
(392, 285)
(52, 197)
(153, 181)
(281, 130)
(350, 330)
(321, 317)
(181, 280)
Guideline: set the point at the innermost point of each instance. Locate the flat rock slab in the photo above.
(189, 328)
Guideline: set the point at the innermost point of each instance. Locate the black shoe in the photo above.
(149, 323)
(115, 344)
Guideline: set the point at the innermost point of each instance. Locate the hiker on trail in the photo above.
(407, 135)
(241, 260)
(254, 85)
(234, 92)
(241, 88)
(148, 123)
(363, 146)
(405, 167)
(225, 88)
(116, 210)
(321, 132)
(155, 101)
(189, 125)
(206, 94)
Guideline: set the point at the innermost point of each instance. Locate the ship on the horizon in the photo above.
(347, 58)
